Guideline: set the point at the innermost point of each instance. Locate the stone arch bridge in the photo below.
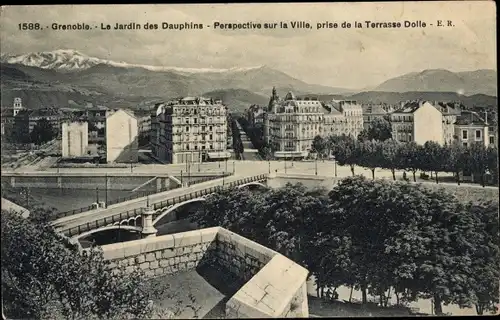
(144, 218)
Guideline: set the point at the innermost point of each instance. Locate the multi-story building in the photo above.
(450, 111)
(122, 133)
(53, 115)
(291, 124)
(418, 121)
(75, 139)
(376, 111)
(10, 113)
(255, 115)
(96, 118)
(190, 130)
(470, 128)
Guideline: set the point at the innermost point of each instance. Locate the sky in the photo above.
(341, 57)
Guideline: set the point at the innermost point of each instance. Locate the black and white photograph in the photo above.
(249, 160)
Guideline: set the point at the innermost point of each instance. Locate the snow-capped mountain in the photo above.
(71, 60)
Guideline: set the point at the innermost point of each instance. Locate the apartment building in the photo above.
(418, 121)
(450, 112)
(75, 139)
(255, 115)
(190, 129)
(122, 133)
(376, 111)
(470, 128)
(290, 124)
(53, 115)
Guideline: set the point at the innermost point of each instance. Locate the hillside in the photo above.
(439, 80)
(238, 100)
(396, 97)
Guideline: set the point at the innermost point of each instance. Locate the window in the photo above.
(464, 144)
(195, 120)
(478, 134)
(464, 135)
(211, 147)
(202, 147)
(492, 140)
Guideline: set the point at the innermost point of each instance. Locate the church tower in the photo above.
(18, 106)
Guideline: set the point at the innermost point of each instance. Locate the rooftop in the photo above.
(470, 118)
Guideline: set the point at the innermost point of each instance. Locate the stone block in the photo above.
(191, 265)
(172, 262)
(158, 271)
(153, 264)
(131, 261)
(150, 257)
(197, 248)
(163, 263)
(188, 238)
(130, 269)
(179, 251)
(167, 270)
(184, 258)
(177, 260)
(174, 268)
(168, 253)
(140, 259)
(144, 265)
(182, 266)
(124, 263)
(149, 273)
(158, 255)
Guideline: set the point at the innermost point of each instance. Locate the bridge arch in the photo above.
(175, 206)
(113, 227)
(254, 183)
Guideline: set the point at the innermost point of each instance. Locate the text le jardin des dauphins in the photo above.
(82, 26)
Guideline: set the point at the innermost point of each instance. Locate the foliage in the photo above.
(379, 130)
(20, 129)
(44, 276)
(42, 132)
(374, 235)
(319, 146)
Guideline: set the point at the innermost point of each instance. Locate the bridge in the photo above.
(133, 215)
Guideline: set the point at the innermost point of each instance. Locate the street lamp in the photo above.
(269, 163)
(335, 164)
(97, 194)
(316, 166)
(106, 182)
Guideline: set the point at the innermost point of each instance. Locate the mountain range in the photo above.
(68, 77)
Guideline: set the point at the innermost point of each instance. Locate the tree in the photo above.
(456, 159)
(44, 276)
(370, 155)
(412, 157)
(392, 157)
(346, 150)
(42, 132)
(433, 158)
(492, 164)
(380, 130)
(319, 146)
(478, 160)
(20, 129)
(486, 259)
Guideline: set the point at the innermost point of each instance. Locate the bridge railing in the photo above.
(158, 205)
(135, 195)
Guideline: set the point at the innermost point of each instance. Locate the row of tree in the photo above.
(381, 237)
(19, 132)
(393, 155)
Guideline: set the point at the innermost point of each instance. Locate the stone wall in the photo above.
(11, 206)
(162, 255)
(269, 284)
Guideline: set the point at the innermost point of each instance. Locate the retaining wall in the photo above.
(270, 285)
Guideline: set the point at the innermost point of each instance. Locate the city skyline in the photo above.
(310, 55)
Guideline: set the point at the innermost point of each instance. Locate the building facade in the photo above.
(122, 132)
(53, 115)
(417, 121)
(291, 124)
(450, 112)
(75, 139)
(255, 115)
(190, 130)
(376, 111)
(9, 114)
(470, 128)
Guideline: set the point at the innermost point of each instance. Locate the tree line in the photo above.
(384, 238)
(409, 156)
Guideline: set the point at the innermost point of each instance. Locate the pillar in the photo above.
(13, 182)
(59, 182)
(148, 230)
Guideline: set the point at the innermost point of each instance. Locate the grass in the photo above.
(467, 193)
(322, 308)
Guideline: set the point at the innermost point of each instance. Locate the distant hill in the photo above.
(396, 97)
(439, 80)
(238, 100)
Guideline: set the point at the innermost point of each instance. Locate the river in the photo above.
(70, 199)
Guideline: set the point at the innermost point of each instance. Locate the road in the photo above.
(139, 203)
(246, 168)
